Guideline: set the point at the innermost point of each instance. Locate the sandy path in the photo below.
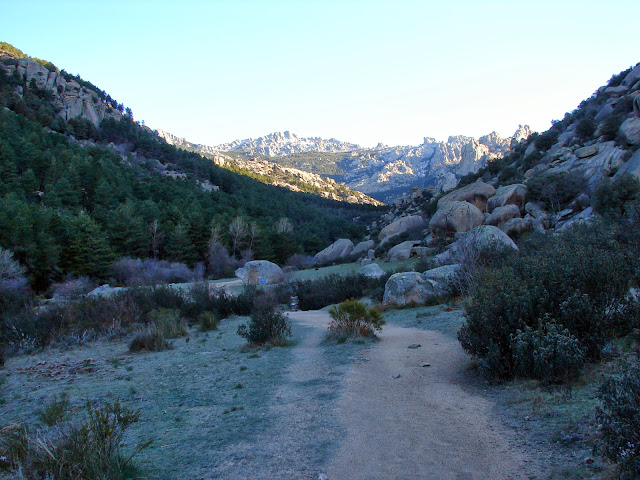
(423, 424)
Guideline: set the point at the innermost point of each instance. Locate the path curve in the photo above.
(404, 420)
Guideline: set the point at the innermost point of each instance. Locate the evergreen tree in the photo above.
(88, 252)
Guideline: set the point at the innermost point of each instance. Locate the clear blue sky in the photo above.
(361, 71)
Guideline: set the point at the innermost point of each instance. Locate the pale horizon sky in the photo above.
(359, 71)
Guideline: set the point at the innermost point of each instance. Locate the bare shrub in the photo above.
(135, 272)
(92, 448)
(219, 262)
(72, 288)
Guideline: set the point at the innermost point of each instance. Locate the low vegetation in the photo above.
(353, 318)
(88, 448)
(267, 325)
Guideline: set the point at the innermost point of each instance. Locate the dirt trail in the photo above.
(422, 424)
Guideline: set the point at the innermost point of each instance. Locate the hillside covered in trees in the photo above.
(77, 194)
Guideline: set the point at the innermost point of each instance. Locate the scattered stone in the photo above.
(322, 476)
(396, 375)
(414, 345)
(426, 364)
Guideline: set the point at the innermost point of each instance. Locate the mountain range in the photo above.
(384, 172)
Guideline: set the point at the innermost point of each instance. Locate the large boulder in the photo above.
(476, 193)
(401, 225)
(402, 251)
(442, 278)
(508, 195)
(632, 77)
(502, 215)
(456, 217)
(517, 226)
(631, 166)
(406, 288)
(338, 250)
(372, 270)
(630, 131)
(260, 272)
(362, 248)
(482, 238)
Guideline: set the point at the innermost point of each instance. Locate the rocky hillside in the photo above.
(273, 173)
(71, 96)
(585, 164)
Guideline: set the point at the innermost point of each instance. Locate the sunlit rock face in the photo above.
(385, 172)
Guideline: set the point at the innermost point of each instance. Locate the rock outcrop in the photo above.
(338, 250)
(260, 272)
(73, 99)
(477, 194)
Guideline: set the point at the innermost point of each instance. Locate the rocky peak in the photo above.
(281, 144)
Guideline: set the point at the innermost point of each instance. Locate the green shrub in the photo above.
(586, 128)
(556, 190)
(266, 325)
(612, 196)
(354, 319)
(619, 420)
(547, 139)
(610, 126)
(81, 450)
(548, 353)
(208, 322)
(544, 280)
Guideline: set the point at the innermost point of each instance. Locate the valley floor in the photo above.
(349, 411)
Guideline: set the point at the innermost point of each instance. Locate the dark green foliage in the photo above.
(548, 353)
(612, 196)
(316, 294)
(267, 325)
(556, 190)
(544, 281)
(547, 139)
(620, 421)
(354, 319)
(81, 208)
(586, 128)
(610, 126)
(91, 448)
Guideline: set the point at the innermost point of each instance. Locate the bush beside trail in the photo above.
(577, 280)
